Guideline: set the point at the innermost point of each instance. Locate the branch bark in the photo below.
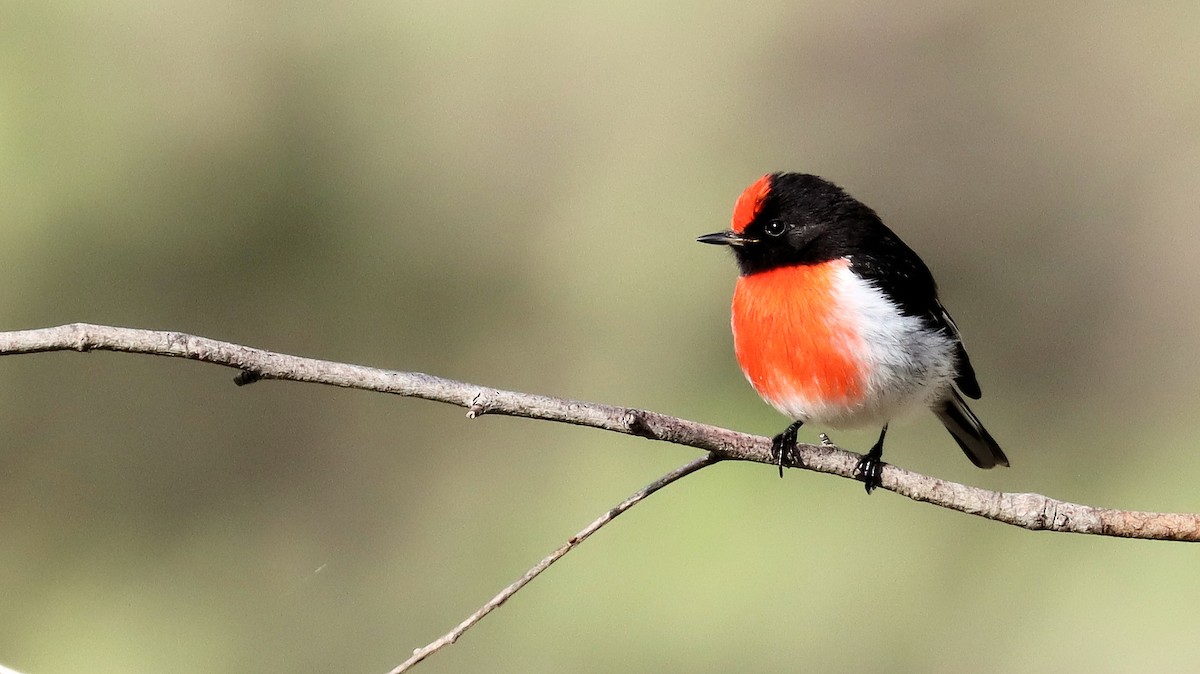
(1030, 511)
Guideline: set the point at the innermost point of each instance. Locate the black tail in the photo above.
(969, 433)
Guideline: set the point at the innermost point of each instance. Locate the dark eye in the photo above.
(775, 228)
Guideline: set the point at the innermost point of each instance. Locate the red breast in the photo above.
(791, 341)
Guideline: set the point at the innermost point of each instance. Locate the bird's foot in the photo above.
(783, 448)
(870, 470)
(825, 441)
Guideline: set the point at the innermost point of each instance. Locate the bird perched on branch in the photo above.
(837, 322)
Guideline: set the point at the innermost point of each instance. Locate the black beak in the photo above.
(726, 238)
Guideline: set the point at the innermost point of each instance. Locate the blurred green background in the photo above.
(508, 193)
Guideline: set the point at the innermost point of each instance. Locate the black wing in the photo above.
(891, 264)
(966, 374)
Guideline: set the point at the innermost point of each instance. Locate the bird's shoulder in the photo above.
(890, 265)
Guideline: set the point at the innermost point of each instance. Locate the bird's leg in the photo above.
(870, 467)
(783, 448)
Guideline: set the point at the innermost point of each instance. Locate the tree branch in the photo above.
(635, 498)
(1030, 511)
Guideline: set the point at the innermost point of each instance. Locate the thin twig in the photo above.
(635, 498)
(1030, 511)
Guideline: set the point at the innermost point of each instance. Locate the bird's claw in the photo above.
(783, 448)
(869, 469)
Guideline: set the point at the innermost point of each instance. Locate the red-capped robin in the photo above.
(837, 322)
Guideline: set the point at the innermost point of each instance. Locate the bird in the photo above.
(837, 322)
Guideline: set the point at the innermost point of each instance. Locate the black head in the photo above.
(787, 219)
